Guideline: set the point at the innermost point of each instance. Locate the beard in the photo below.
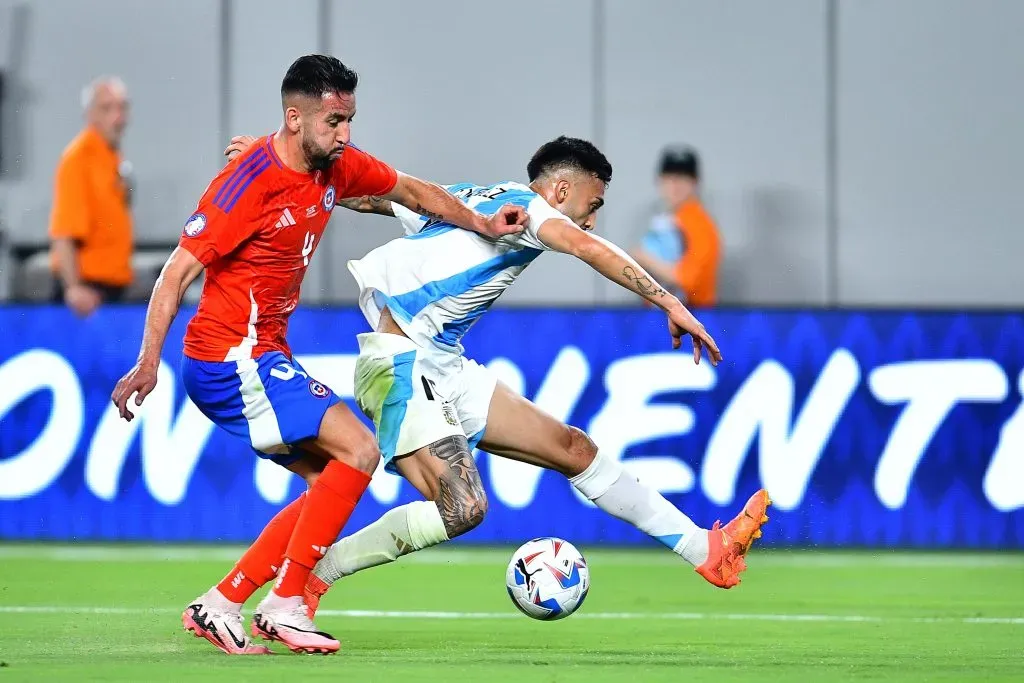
(318, 158)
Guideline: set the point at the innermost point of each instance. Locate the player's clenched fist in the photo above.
(509, 220)
(140, 381)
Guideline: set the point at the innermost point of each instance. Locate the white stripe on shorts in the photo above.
(264, 430)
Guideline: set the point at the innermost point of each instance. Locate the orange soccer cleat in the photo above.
(727, 545)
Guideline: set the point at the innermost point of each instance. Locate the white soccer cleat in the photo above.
(286, 620)
(206, 618)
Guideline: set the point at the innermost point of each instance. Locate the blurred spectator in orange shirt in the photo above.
(682, 247)
(91, 222)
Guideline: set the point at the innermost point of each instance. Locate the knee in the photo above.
(361, 452)
(580, 451)
(461, 513)
(475, 509)
(480, 511)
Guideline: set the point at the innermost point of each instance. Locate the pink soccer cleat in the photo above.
(223, 628)
(286, 620)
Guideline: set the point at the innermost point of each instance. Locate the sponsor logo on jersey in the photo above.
(286, 220)
(194, 225)
(318, 390)
(329, 198)
(311, 211)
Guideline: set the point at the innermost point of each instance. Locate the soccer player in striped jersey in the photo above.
(431, 405)
(254, 232)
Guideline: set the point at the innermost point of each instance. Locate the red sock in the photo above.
(261, 561)
(329, 504)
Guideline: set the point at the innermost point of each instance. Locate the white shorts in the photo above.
(416, 398)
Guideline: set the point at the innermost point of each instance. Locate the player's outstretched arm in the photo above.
(181, 269)
(425, 198)
(616, 265)
(432, 201)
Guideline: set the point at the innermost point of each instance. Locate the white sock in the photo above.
(622, 495)
(272, 602)
(398, 532)
(216, 599)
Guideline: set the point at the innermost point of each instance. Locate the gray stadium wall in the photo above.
(856, 152)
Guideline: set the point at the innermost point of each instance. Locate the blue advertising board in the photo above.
(868, 428)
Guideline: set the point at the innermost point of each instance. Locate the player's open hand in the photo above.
(509, 220)
(239, 144)
(140, 381)
(681, 322)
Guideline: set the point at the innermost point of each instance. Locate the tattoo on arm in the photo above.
(368, 204)
(353, 203)
(461, 499)
(378, 205)
(421, 210)
(643, 283)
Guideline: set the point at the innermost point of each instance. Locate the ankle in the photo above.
(291, 580)
(696, 550)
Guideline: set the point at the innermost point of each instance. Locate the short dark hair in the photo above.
(680, 160)
(314, 75)
(566, 152)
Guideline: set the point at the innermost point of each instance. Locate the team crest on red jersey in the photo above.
(329, 198)
(194, 225)
(317, 389)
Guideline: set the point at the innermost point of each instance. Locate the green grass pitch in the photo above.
(111, 613)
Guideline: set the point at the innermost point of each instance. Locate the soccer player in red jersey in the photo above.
(254, 232)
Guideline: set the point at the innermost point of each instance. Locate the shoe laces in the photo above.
(233, 619)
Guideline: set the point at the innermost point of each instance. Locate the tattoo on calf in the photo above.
(461, 499)
(643, 283)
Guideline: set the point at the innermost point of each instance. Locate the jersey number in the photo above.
(491, 193)
(307, 248)
(485, 192)
(285, 372)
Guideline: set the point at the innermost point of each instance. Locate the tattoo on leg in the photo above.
(643, 283)
(461, 499)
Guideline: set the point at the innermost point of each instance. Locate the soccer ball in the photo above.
(547, 578)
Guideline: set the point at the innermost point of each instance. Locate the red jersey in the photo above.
(255, 230)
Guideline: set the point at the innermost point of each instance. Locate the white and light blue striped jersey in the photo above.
(439, 279)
